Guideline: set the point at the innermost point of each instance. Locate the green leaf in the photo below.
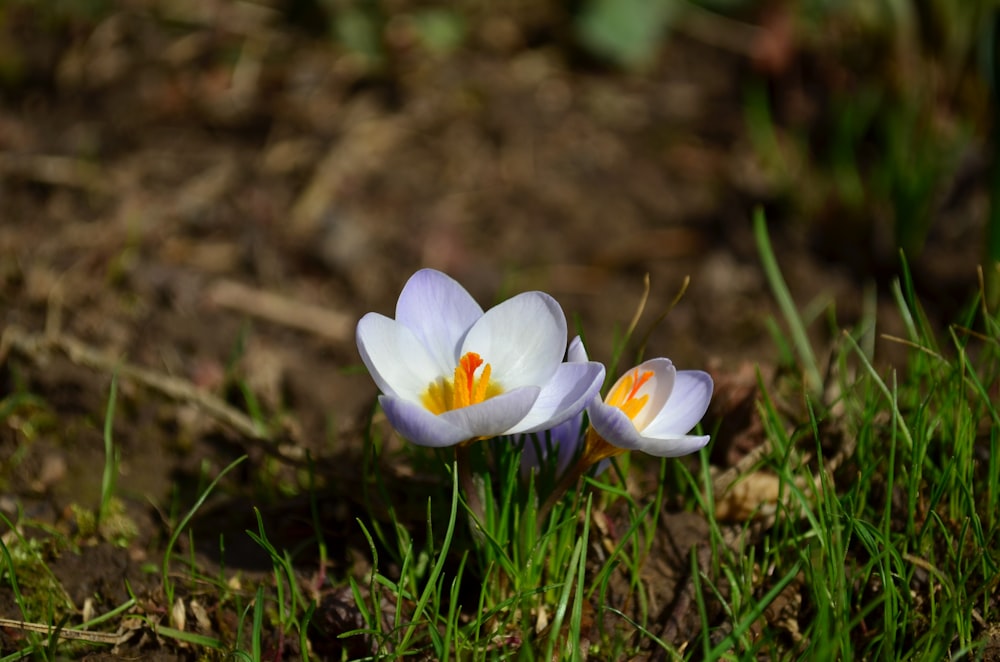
(626, 32)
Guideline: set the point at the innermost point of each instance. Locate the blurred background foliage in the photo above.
(874, 118)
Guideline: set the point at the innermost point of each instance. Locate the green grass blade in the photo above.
(110, 474)
(165, 567)
(438, 565)
(813, 379)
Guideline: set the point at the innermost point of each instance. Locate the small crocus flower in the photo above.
(651, 408)
(450, 373)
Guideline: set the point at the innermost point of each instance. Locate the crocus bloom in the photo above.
(651, 408)
(450, 373)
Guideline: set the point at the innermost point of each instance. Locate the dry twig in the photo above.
(113, 638)
(281, 310)
(37, 346)
(55, 171)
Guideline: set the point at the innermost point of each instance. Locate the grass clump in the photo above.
(879, 543)
(884, 538)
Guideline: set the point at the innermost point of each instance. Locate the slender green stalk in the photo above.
(814, 382)
(168, 585)
(256, 649)
(438, 566)
(569, 480)
(110, 474)
(466, 476)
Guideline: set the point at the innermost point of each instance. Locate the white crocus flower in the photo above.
(450, 373)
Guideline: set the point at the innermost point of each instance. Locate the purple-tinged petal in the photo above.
(420, 426)
(613, 425)
(567, 435)
(440, 312)
(570, 390)
(532, 452)
(398, 362)
(522, 338)
(671, 446)
(576, 352)
(687, 404)
(564, 439)
(568, 441)
(495, 416)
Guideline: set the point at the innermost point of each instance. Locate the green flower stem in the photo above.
(467, 481)
(569, 479)
(595, 449)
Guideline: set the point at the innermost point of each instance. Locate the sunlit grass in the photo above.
(885, 541)
(882, 543)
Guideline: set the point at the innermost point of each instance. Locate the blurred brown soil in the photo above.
(214, 196)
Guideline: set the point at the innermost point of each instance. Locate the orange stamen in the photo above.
(464, 389)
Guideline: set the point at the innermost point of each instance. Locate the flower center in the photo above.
(624, 393)
(464, 389)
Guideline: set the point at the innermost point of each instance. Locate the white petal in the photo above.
(572, 387)
(419, 425)
(440, 312)
(671, 446)
(687, 404)
(396, 359)
(495, 416)
(523, 339)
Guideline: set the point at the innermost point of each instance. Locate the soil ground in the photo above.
(215, 195)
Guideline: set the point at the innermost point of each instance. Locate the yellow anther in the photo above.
(624, 394)
(464, 389)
